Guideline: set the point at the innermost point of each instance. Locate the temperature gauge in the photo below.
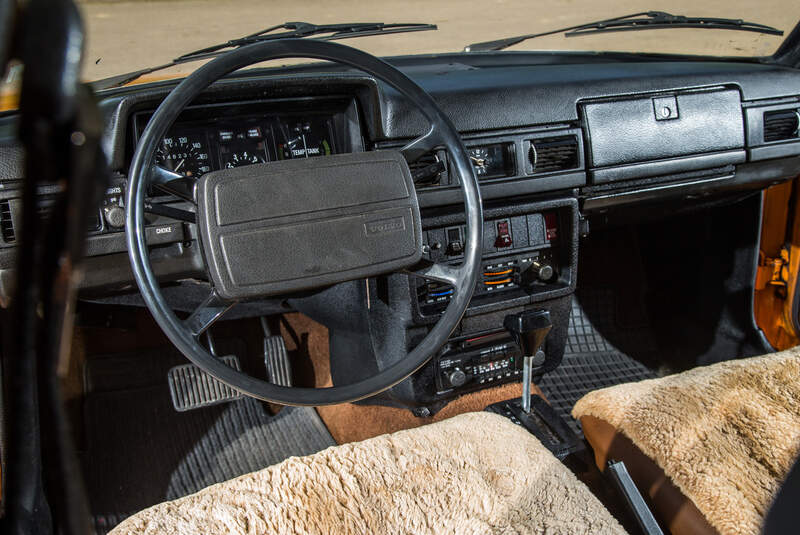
(304, 139)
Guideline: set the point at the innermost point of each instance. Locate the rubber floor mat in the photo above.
(140, 451)
(590, 362)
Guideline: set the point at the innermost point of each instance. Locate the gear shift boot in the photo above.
(543, 422)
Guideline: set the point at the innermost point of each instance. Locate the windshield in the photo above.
(127, 36)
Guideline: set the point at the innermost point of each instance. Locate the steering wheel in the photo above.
(366, 201)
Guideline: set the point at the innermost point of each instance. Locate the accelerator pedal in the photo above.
(192, 388)
(276, 359)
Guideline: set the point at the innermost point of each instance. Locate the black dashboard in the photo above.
(554, 140)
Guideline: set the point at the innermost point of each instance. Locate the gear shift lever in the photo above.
(528, 329)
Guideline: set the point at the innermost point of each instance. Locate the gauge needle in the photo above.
(179, 165)
(480, 162)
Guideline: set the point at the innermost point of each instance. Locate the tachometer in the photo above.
(244, 157)
(186, 155)
(243, 145)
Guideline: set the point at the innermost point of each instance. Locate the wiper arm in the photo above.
(329, 32)
(323, 32)
(646, 20)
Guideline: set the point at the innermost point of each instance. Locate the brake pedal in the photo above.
(276, 359)
(192, 388)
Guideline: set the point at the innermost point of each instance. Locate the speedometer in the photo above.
(186, 155)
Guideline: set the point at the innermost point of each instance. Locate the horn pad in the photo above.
(293, 225)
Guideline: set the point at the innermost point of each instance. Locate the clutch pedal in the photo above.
(192, 388)
(276, 359)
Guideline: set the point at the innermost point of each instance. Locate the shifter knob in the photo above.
(529, 328)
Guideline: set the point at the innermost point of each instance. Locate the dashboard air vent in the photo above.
(6, 222)
(429, 170)
(781, 125)
(550, 154)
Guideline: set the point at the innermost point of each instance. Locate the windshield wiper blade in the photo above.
(292, 30)
(646, 20)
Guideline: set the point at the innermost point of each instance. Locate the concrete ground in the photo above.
(124, 36)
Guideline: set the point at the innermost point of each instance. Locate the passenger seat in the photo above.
(709, 447)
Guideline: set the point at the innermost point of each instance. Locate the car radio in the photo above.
(478, 361)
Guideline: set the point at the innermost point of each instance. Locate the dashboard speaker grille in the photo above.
(781, 125)
(7, 222)
(551, 154)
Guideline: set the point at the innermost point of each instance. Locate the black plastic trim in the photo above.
(666, 167)
(773, 152)
(746, 176)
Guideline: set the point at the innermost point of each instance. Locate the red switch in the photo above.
(551, 225)
(503, 235)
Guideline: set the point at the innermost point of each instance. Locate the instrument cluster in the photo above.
(195, 149)
(209, 137)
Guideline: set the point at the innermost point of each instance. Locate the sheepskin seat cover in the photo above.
(476, 473)
(726, 435)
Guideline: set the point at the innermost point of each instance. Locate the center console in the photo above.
(529, 261)
(520, 253)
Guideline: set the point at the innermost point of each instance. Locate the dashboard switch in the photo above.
(114, 215)
(503, 235)
(551, 225)
(544, 271)
(455, 242)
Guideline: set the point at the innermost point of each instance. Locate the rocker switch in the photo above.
(503, 235)
(455, 244)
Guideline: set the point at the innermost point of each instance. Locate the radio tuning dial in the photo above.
(456, 377)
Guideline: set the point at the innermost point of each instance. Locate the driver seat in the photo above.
(474, 473)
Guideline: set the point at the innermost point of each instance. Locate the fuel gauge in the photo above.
(304, 139)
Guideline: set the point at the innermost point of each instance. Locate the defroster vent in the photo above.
(551, 154)
(781, 125)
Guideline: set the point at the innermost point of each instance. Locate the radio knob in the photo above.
(543, 270)
(456, 377)
(115, 215)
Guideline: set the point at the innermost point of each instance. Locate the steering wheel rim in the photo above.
(462, 277)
